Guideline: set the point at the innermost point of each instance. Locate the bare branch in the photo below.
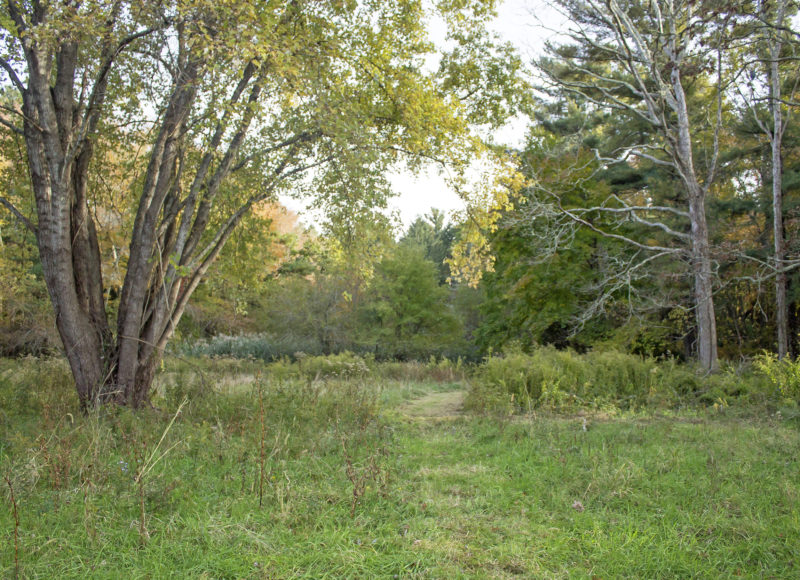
(623, 279)
(712, 167)
(664, 208)
(18, 214)
(635, 151)
(12, 127)
(12, 74)
(574, 216)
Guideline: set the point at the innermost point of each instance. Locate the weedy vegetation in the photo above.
(561, 465)
(562, 380)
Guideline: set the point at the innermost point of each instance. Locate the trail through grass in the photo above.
(436, 405)
(676, 495)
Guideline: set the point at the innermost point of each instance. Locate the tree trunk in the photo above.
(82, 342)
(701, 253)
(176, 235)
(703, 289)
(793, 322)
(154, 293)
(781, 306)
(59, 157)
(53, 179)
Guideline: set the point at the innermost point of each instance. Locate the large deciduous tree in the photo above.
(636, 59)
(228, 103)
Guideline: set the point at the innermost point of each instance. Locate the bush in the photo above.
(271, 347)
(344, 365)
(291, 358)
(561, 378)
(556, 379)
(783, 374)
(518, 375)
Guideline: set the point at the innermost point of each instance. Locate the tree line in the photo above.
(651, 208)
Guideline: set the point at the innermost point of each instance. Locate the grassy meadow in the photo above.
(340, 467)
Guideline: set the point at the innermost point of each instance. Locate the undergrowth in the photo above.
(562, 380)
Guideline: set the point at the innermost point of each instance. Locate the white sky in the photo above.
(525, 23)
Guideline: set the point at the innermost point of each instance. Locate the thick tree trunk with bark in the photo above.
(170, 249)
(703, 287)
(781, 304)
(274, 62)
(58, 134)
(701, 251)
(63, 243)
(133, 375)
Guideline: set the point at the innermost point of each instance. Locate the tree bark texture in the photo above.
(666, 109)
(64, 242)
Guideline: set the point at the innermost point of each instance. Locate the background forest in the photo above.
(592, 245)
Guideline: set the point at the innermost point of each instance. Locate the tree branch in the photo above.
(576, 218)
(97, 96)
(12, 127)
(18, 214)
(12, 74)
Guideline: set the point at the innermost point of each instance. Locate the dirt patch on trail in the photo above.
(436, 405)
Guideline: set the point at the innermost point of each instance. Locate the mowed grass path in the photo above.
(638, 498)
(642, 496)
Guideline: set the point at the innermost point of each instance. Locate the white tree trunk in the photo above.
(776, 140)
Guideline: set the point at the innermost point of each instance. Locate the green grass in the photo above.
(696, 493)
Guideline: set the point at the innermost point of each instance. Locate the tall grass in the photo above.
(782, 374)
(563, 380)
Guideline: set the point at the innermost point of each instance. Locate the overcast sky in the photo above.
(518, 21)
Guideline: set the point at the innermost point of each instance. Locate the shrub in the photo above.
(344, 365)
(271, 347)
(555, 379)
(516, 374)
(783, 374)
(257, 346)
(560, 379)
